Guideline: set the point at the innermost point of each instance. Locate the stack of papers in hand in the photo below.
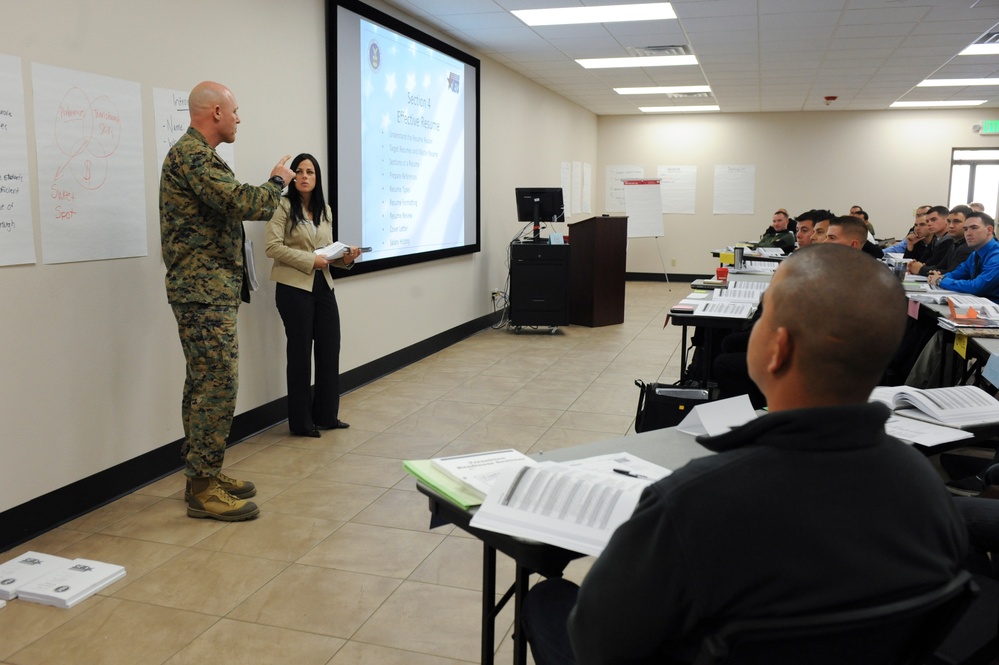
(956, 406)
(574, 505)
(334, 250)
(29, 566)
(71, 583)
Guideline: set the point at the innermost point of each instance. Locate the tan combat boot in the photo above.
(209, 499)
(241, 489)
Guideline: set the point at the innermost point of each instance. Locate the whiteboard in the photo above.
(643, 204)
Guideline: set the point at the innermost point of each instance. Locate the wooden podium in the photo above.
(596, 271)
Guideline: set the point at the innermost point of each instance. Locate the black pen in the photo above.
(625, 472)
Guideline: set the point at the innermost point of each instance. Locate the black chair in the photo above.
(902, 632)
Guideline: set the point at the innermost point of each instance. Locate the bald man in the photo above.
(202, 208)
(799, 511)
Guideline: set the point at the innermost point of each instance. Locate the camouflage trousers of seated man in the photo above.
(211, 350)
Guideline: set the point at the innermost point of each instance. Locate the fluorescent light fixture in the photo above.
(678, 109)
(913, 105)
(646, 61)
(981, 49)
(656, 11)
(668, 90)
(957, 83)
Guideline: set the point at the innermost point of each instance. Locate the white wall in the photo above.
(91, 365)
(887, 161)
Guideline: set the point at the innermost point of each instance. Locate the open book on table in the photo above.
(957, 406)
(574, 505)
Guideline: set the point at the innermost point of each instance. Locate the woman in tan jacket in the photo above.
(305, 299)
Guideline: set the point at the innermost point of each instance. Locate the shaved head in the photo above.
(205, 96)
(838, 317)
(213, 112)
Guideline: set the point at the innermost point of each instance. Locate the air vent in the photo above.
(646, 51)
(688, 95)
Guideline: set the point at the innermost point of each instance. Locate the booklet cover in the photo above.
(29, 566)
(72, 583)
(478, 471)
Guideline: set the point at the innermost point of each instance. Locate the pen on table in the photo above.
(625, 472)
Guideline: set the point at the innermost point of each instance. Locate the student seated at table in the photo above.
(852, 232)
(915, 245)
(777, 234)
(956, 252)
(808, 508)
(809, 230)
(940, 240)
(979, 274)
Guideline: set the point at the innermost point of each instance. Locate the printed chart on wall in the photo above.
(17, 241)
(616, 175)
(679, 189)
(91, 187)
(735, 189)
(172, 120)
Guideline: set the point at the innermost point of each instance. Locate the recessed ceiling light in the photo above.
(961, 102)
(607, 14)
(651, 61)
(981, 49)
(678, 109)
(958, 83)
(664, 90)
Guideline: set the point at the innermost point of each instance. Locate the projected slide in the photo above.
(412, 145)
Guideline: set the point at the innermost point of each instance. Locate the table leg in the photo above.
(522, 584)
(488, 603)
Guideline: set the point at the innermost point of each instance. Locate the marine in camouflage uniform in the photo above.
(202, 208)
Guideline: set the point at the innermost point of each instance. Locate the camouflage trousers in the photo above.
(208, 337)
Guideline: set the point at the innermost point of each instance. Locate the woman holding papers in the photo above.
(302, 224)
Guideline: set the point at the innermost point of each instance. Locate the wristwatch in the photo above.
(277, 180)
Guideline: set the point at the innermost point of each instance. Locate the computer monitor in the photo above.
(535, 204)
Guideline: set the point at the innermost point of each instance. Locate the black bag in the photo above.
(665, 405)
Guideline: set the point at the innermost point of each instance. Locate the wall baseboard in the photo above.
(30, 519)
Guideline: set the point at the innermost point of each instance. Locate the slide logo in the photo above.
(374, 55)
(453, 82)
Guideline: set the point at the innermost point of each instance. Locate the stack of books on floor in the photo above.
(54, 580)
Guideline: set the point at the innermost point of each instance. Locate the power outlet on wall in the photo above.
(672, 263)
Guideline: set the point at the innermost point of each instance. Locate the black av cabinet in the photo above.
(539, 285)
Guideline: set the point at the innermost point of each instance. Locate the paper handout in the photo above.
(718, 417)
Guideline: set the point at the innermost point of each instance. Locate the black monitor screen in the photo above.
(549, 204)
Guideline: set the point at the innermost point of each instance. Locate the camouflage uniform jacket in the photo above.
(202, 208)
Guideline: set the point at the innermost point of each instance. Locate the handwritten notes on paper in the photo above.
(17, 240)
(91, 185)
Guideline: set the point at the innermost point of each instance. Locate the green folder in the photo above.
(450, 489)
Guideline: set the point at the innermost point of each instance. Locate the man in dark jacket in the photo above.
(799, 511)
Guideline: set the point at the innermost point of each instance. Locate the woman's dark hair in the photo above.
(317, 202)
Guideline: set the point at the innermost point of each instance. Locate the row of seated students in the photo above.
(809, 508)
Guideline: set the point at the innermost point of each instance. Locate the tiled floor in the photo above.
(340, 567)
